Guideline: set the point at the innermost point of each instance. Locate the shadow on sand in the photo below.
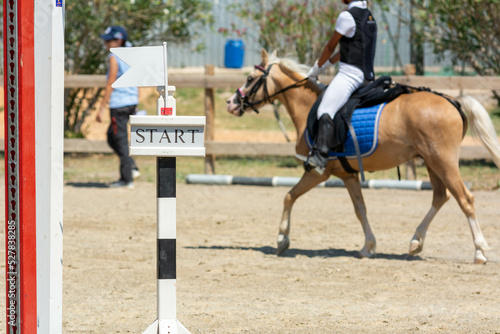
(326, 253)
(87, 185)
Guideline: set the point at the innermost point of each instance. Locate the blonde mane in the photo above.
(290, 63)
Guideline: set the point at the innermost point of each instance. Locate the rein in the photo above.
(262, 81)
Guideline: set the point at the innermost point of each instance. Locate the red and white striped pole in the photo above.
(33, 164)
(19, 87)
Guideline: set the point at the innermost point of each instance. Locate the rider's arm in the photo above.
(345, 26)
(335, 58)
(329, 49)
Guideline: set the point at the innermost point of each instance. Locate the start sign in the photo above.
(167, 136)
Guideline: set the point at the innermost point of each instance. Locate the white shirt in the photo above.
(345, 22)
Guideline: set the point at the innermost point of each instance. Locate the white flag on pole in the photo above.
(147, 66)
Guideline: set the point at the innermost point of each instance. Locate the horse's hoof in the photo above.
(283, 244)
(415, 247)
(365, 253)
(369, 250)
(480, 258)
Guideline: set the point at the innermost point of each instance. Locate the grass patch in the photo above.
(103, 168)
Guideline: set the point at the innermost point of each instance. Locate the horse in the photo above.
(418, 124)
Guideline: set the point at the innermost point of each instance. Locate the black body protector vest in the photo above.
(359, 50)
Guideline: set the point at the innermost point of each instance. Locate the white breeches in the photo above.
(347, 80)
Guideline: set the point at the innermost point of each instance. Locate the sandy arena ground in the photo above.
(230, 281)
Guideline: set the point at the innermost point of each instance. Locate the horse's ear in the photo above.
(274, 54)
(264, 56)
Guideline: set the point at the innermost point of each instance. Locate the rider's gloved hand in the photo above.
(315, 71)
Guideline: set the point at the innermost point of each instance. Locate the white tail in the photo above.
(481, 126)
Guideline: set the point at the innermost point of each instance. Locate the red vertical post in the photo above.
(20, 168)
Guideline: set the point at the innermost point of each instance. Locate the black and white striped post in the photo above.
(165, 136)
(166, 247)
(166, 237)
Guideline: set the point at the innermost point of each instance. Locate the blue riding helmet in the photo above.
(115, 32)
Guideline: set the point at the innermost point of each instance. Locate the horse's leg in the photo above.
(450, 175)
(466, 201)
(410, 170)
(440, 196)
(354, 187)
(308, 181)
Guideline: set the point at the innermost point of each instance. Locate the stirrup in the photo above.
(308, 167)
(319, 170)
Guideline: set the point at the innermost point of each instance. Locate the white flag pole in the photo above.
(165, 73)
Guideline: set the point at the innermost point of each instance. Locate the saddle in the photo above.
(377, 92)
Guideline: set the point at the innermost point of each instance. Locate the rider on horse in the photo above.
(356, 31)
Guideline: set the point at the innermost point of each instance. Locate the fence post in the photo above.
(210, 118)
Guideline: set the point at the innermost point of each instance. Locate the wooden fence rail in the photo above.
(236, 80)
(208, 81)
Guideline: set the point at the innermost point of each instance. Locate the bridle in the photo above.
(261, 81)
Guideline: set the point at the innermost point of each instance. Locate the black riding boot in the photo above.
(319, 155)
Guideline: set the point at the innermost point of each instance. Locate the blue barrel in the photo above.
(234, 53)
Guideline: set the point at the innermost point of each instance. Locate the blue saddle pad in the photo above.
(365, 122)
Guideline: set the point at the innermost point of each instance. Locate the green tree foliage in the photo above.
(291, 27)
(147, 22)
(469, 29)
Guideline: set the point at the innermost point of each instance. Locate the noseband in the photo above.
(262, 81)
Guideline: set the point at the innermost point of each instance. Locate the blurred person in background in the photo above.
(122, 103)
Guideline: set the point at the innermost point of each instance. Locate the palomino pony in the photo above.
(417, 124)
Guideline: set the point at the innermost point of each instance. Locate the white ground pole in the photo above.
(49, 134)
(285, 181)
